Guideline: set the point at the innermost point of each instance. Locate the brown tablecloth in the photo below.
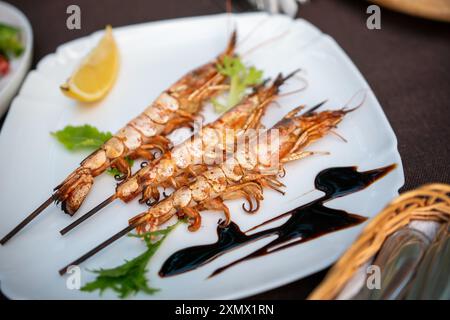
(407, 64)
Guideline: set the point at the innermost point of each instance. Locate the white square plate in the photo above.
(153, 55)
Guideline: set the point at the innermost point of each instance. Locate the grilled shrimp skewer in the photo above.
(174, 168)
(174, 108)
(243, 175)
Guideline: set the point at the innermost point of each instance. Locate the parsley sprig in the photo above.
(130, 277)
(81, 137)
(241, 78)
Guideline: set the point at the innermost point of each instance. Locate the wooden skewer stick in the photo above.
(88, 214)
(27, 220)
(98, 248)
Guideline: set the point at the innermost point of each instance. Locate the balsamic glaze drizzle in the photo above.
(307, 222)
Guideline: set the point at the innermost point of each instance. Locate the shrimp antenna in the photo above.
(229, 10)
(27, 220)
(292, 92)
(98, 248)
(364, 92)
(253, 30)
(266, 42)
(88, 214)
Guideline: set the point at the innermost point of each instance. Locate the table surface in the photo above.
(406, 63)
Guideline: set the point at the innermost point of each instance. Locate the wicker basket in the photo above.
(430, 202)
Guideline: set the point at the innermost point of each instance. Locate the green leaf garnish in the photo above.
(241, 78)
(81, 137)
(114, 171)
(129, 278)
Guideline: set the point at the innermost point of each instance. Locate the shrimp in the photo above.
(191, 157)
(174, 108)
(245, 174)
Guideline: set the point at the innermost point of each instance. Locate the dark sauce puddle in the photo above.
(307, 222)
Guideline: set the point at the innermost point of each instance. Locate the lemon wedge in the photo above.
(96, 74)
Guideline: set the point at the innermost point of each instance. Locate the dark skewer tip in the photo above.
(290, 75)
(88, 214)
(27, 220)
(313, 109)
(98, 248)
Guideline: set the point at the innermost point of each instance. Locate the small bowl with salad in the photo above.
(16, 43)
